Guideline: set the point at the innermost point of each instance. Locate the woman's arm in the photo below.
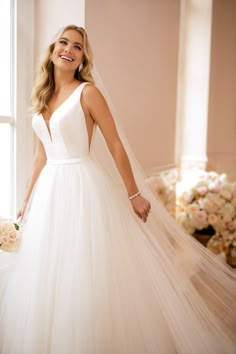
(38, 164)
(95, 104)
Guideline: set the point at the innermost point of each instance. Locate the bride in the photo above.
(102, 267)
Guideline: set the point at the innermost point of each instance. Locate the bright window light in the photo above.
(5, 109)
(5, 58)
(5, 175)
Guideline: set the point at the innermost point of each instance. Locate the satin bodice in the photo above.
(66, 136)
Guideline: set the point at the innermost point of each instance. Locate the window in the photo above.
(6, 109)
(16, 72)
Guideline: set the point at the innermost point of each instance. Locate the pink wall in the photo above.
(135, 45)
(221, 146)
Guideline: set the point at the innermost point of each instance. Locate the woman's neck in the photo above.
(63, 80)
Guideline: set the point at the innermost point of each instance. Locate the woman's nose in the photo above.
(68, 48)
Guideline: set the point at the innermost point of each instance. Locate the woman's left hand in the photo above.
(141, 207)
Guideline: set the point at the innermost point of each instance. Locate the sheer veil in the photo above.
(195, 278)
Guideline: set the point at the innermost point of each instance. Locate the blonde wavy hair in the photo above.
(44, 84)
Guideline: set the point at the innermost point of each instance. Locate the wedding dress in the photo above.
(92, 278)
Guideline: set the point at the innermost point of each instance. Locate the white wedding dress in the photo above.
(91, 278)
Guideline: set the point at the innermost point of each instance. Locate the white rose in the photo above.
(225, 194)
(208, 204)
(6, 228)
(185, 222)
(4, 240)
(228, 210)
(220, 226)
(199, 219)
(192, 208)
(215, 185)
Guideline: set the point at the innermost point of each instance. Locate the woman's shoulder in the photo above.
(91, 91)
(93, 98)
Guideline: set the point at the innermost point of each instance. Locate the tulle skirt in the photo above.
(91, 278)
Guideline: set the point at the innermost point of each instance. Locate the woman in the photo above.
(91, 277)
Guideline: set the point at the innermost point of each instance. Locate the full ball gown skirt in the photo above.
(91, 278)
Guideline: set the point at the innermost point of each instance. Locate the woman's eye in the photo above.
(78, 47)
(62, 41)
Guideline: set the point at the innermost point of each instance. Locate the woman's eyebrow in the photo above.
(78, 43)
(74, 42)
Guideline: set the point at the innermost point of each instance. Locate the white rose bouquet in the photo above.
(209, 206)
(9, 235)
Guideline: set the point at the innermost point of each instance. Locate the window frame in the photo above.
(22, 64)
(24, 73)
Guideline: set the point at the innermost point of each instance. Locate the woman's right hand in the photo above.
(21, 212)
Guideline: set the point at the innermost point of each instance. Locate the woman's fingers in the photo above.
(143, 214)
(141, 207)
(20, 213)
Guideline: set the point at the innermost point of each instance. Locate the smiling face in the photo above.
(68, 51)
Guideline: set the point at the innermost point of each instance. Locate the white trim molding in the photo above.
(5, 119)
(23, 74)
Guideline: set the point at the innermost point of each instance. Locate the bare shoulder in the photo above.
(95, 105)
(92, 95)
(91, 89)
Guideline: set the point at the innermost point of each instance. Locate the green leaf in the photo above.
(16, 226)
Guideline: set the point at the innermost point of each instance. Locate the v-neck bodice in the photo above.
(65, 136)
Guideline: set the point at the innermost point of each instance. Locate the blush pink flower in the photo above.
(212, 219)
(202, 190)
(231, 226)
(199, 219)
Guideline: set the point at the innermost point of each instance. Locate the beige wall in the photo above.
(135, 44)
(136, 50)
(221, 145)
(51, 15)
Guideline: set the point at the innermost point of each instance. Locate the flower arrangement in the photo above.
(9, 235)
(164, 186)
(223, 243)
(210, 206)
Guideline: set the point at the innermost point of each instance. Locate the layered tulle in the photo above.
(91, 278)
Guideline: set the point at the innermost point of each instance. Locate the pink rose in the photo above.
(231, 225)
(202, 190)
(212, 219)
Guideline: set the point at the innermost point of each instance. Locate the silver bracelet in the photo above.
(134, 195)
